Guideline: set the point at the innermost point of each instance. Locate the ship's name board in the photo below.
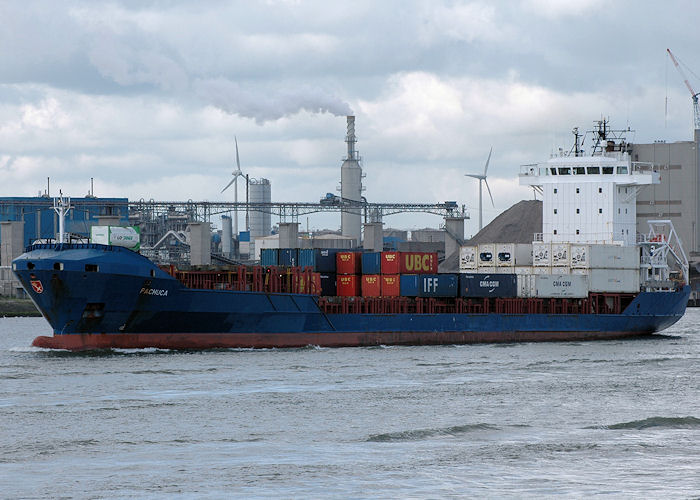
(154, 291)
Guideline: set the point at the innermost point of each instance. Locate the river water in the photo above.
(574, 419)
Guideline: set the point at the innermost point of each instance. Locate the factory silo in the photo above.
(260, 221)
(351, 187)
(226, 235)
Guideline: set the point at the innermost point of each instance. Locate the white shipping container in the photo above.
(505, 254)
(614, 280)
(487, 255)
(560, 255)
(584, 272)
(467, 257)
(579, 256)
(562, 285)
(486, 269)
(561, 270)
(541, 254)
(526, 270)
(614, 257)
(128, 236)
(541, 270)
(526, 286)
(523, 254)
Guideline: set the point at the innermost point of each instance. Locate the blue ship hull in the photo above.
(97, 296)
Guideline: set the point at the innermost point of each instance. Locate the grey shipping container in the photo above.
(614, 257)
(614, 280)
(488, 285)
(561, 285)
(429, 285)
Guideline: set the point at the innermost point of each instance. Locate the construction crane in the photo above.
(696, 111)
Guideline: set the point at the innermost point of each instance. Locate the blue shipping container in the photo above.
(269, 256)
(307, 257)
(429, 285)
(372, 263)
(325, 259)
(328, 285)
(289, 257)
(488, 285)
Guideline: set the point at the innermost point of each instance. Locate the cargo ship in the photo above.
(588, 275)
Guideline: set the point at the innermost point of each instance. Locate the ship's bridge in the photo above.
(589, 199)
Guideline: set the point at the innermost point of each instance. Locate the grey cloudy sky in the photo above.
(146, 96)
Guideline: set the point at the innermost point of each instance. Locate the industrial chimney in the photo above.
(351, 188)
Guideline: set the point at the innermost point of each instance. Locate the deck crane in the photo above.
(696, 111)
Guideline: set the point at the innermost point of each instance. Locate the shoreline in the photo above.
(18, 308)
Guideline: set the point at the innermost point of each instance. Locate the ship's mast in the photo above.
(61, 206)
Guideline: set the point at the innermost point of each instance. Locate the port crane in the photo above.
(696, 111)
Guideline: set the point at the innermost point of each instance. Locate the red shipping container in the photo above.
(418, 263)
(348, 285)
(391, 285)
(371, 285)
(348, 262)
(390, 262)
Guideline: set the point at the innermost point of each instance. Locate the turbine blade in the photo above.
(228, 185)
(475, 176)
(487, 161)
(238, 161)
(487, 187)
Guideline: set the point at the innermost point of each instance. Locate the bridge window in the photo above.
(594, 170)
(554, 171)
(621, 170)
(580, 170)
(608, 170)
(564, 171)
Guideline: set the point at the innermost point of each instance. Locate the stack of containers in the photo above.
(348, 266)
(486, 258)
(609, 268)
(325, 264)
(371, 274)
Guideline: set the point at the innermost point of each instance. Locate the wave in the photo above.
(656, 422)
(420, 434)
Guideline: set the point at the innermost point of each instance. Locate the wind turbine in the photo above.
(236, 174)
(482, 178)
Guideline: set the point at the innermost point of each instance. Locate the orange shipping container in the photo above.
(391, 285)
(371, 285)
(418, 263)
(348, 285)
(348, 262)
(390, 262)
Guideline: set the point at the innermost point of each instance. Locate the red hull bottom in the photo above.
(79, 342)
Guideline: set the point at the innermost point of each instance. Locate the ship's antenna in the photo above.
(61, 206)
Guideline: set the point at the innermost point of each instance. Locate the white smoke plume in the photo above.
(264, 104)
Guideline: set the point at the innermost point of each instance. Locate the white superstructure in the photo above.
(589, 199)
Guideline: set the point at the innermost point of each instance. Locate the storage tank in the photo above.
(226, 235)
(351, 187)
(260, 222)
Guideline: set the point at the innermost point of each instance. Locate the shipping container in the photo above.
(505, 254)
(541, 270)
(390, 263)
(315, 287)
(486, 269)
(307, 257)
(541, 254)
(348, 285)
(348, 262)
(614, 257)
(488, 285)
(560, 255)
(269, 256)
(390, 285)
(523, 254)
(560, 270)
(614, 280)
(524, 270)
(418, 262)
(371, 285)
(127, 237)
(429, 285)
(579, 256)
(562, 285)
(467, 257)
(325, 259)
(288, 257)
(527, 285)
(371, 263)
(486, 255)
(328, 284)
